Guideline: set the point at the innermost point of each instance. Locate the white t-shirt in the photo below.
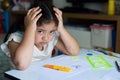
(37, 54)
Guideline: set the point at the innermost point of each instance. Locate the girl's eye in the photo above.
(41, 32)
(52, 32)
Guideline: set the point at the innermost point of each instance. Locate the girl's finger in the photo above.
(38, 16)
(58, 11)
(31, 11)
(58, 17)
(35, 13)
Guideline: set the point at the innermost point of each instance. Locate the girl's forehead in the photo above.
(47, 26)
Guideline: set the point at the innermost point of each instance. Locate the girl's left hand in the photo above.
(58, 14)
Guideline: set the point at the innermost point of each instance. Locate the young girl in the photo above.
(44, 30)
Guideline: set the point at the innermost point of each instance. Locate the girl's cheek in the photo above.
(38, 38)
(52, 37)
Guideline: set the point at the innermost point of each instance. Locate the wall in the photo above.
(94, 6)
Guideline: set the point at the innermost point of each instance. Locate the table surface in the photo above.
(81, 68)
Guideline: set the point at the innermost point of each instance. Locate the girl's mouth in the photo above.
(43, 43)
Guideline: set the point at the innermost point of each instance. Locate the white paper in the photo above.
(81, 69)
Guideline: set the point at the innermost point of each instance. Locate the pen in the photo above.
(117, 66)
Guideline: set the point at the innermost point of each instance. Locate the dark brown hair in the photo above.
(48, 14)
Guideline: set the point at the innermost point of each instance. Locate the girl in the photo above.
(44, 30)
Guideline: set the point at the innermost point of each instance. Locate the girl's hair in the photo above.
(48, 16)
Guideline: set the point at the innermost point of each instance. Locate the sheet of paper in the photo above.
(74, 62)
(81, 69)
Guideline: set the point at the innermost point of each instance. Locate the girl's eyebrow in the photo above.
(53, 30)
(45, 30)
(41, 29)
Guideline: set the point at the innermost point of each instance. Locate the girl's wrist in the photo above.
(32, 28)
(61, 29)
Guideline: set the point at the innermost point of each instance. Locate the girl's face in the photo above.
(45, 33)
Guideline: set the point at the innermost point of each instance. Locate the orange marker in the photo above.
(56, 67)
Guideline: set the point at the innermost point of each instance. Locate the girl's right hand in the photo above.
(32, 17)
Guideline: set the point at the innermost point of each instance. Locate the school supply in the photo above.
(108, 53)
(117, 66)
(57, 67)
(98, 62)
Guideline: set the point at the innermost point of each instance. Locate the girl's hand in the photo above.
(58, 14)
(32, 17)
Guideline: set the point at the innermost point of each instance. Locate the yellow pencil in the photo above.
(56, 67)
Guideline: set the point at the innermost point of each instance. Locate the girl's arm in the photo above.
(22, 54)
(66, 42)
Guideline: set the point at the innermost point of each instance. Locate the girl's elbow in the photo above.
(75, 52)
(21, 66)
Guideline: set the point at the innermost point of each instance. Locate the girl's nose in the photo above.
(46, 37)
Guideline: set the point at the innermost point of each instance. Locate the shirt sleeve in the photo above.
(17, 37)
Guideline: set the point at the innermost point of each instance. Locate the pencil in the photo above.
(56, 67)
